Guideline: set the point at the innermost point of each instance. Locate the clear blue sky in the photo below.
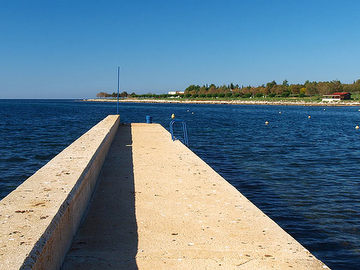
(71, 49)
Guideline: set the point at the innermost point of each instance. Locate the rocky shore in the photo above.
(231, 102)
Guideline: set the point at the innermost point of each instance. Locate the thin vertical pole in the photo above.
(118, 88)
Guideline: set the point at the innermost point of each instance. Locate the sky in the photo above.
(71, 49)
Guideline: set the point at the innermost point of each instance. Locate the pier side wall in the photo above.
(39, 218)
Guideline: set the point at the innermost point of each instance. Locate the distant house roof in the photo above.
(337, 96)
(341, 93)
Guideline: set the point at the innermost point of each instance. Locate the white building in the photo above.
(175, 93)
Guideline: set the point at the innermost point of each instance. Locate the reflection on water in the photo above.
(301, 172)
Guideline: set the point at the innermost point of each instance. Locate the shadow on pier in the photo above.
(108, 238)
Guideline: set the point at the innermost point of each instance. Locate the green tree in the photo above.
(323, 88)
(311, 88)
(336, 86)
(123, 94)
(103, 94)
(295, 89)
(192, 89)
(271, 84)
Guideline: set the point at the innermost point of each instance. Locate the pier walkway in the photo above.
(159, 206)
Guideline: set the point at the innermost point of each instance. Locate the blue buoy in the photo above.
(148, 119)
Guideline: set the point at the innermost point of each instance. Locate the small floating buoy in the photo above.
(192, 113)
(324, 109)
(280, 112)
(309, 117)
(266, 122)
(172, 116)
(188, 110)
(357, 127)
(359, 110)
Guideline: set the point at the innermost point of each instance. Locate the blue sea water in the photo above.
(303, 173)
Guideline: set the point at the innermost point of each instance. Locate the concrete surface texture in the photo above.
(39, 218)
(159, 206)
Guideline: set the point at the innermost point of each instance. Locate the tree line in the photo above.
(273, 89)
(125, 94)
(122, 94)
(270, 89)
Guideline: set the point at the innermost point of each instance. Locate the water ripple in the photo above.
(301, 172)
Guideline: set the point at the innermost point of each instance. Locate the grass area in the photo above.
(355, 96)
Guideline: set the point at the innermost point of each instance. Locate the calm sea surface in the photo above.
(303, 173)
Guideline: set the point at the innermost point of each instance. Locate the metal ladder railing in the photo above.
(185, 138)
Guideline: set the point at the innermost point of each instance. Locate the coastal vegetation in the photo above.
(271, 90)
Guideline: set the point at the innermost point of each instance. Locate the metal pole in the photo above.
(117, 104)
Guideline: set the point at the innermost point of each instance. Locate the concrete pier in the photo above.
(159, 206)
(156, 205)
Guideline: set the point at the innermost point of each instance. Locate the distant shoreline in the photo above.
(230, 102)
